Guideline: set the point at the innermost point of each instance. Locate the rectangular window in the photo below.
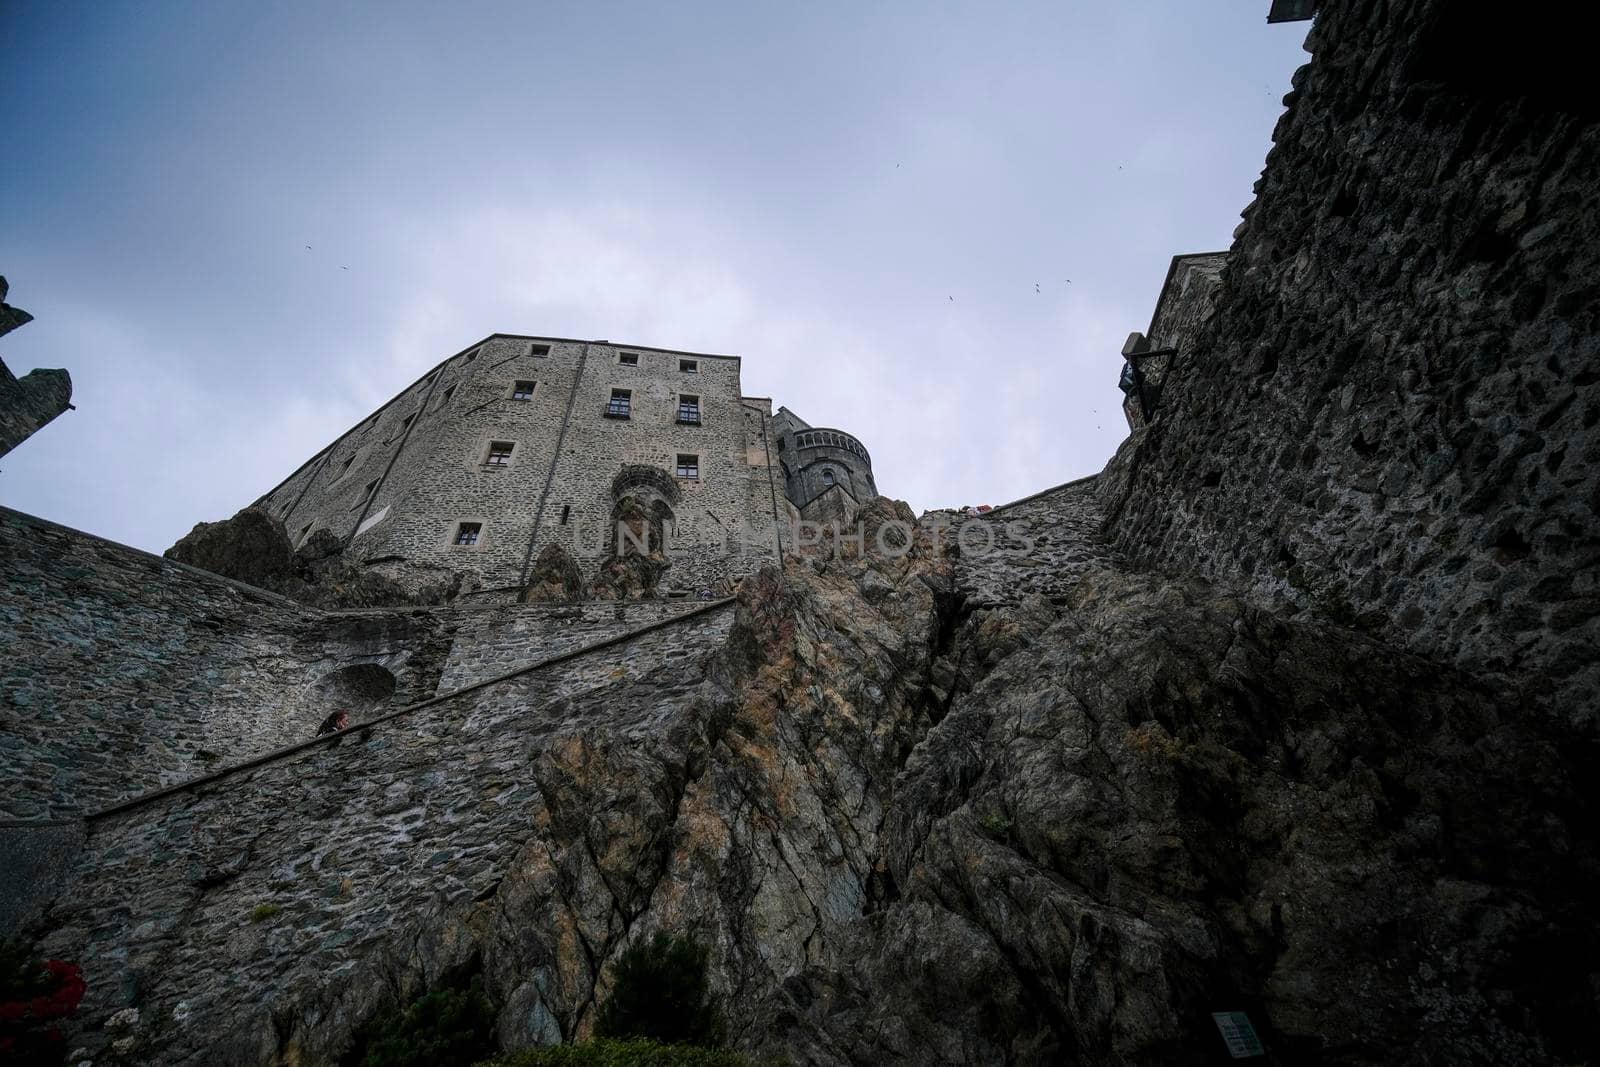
(499, 454)
(621, 406)
(689, 409)
(566, 509)
(688, 466)
(522, 390)
(629, 359)
(538, 350)
(468, 532)
(689, 366)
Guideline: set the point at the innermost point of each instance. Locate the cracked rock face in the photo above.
(1045, 832)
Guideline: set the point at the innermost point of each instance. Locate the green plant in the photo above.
(447, 1027)
(262, 912)
(996, 824)
(660, 992)
(604, 1052)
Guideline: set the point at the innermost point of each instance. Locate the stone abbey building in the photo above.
(518, 443)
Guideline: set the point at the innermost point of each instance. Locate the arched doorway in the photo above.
(362, 689)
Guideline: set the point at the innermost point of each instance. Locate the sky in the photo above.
(929, 224)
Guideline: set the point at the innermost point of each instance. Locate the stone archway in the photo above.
(641, 511)
(362, 689)
(641, 522)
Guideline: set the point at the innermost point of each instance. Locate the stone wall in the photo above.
(493, 641)
(1390, 417)
(124, 672)
(1037, 546)
(29, 402)
(273, 907)
(33, 400)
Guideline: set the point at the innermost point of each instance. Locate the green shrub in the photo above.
(448, 1027)
(262, 912)
(996, 824)
(660, 992)
(604, 1052)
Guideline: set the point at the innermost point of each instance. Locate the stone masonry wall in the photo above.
(279, 903)
(493, 641)
(1391, 416)
(124, 672)
(29, 402)
(1041, 545)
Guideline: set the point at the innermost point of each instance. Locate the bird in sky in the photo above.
(344, 268)
(952, 300)
(1036, 287)
(308, 248)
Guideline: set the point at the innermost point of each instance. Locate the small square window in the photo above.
(621, 406)
(522, 390)
(538, 350)
(499, 454)
(689, 409)
(688, 466)
(628, 359)
(468, 533)
(689, 366)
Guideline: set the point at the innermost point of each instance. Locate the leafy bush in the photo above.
(603, 1052)
(34, 995)
(660, 992)
(997, 825)
(262, 912)
(448, 1027)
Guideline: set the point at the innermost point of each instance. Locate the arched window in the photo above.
(827, 475)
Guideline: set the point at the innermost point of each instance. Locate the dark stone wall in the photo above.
(1390, 417)
(29, 402)
(123, 672)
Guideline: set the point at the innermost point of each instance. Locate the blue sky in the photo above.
(859, 199)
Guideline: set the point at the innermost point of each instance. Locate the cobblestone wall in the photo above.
(302, 889)
(494, 641)
(123, 672)
(1391, 416)
(1037, 546)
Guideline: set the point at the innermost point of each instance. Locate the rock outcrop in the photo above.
(555, 577)
(253, 547)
